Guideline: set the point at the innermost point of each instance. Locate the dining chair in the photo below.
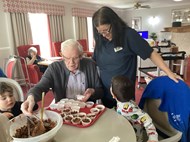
(160, 120)
(15, 62)
(57, 48)
(84, 44)
(164, 100)
(17, 90)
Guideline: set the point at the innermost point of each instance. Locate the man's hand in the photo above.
(87, 94)
(27, 106)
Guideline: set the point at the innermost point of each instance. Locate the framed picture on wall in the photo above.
(181, 15)
(136, 23)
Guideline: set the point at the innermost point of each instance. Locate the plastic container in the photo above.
(89, 104)
(21, 120)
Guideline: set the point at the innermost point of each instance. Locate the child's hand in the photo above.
(8, 114)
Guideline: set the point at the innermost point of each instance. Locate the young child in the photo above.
(8, 105)
(122, 90)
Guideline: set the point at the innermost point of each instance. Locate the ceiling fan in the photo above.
(138, 6)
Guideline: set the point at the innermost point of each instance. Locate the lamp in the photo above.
(153, 20)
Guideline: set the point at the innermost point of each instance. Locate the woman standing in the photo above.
(116, 49)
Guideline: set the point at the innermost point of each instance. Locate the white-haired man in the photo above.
(68, 78)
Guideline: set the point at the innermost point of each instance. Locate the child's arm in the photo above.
(149, 127)
(8, 114)
(133, 113)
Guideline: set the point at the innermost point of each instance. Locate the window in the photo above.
(40, 33)
(90, 34)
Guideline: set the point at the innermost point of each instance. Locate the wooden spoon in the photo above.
(40, 129)
(42, 106)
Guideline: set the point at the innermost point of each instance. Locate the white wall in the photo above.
(6, 44)
(164, 14)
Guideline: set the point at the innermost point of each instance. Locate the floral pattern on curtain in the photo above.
(18, 10)
(80, 20)
(25, 6)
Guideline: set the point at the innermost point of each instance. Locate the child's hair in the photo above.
(122, 88)
(4, 87)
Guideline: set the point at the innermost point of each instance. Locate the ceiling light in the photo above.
(153, 20)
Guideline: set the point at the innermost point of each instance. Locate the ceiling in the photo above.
(125, 4)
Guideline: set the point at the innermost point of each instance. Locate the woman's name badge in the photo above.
(118, 49)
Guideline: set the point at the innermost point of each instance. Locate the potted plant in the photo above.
(153, 36)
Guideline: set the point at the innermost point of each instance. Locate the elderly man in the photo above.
(72, 76)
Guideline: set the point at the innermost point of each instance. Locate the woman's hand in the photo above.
(87, 94)
(27, 106)
(174, 77)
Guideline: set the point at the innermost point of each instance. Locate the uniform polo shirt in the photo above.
(114, 61)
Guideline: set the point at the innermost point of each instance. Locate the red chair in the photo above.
(84, 44)
(57, 48)
(33, 70)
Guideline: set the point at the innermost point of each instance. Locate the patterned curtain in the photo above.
(80, 22)
(21, 29)
(81, 29)
(56, 27)
(25, 6)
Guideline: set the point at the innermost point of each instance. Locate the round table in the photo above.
(109, 125)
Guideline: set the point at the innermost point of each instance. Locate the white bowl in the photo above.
(94, 110)
(66, 118)
(82, 114)
(82, 104)
(80, 97)
(76, 122)
(100, 107)
(86, 121)
(21, 120)
(91, 115)
(89, 104)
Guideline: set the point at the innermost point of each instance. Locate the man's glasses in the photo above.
(74, 59)
(105, 32)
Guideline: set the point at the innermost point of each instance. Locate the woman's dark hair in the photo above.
(106, 15)
(122, 88)
(4, 87)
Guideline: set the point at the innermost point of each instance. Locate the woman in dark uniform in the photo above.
(116, 49)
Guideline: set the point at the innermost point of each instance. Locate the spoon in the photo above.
(42, 106)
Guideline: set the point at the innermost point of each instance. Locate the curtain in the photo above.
(81, 29)
(56, 27)
(22, 35)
